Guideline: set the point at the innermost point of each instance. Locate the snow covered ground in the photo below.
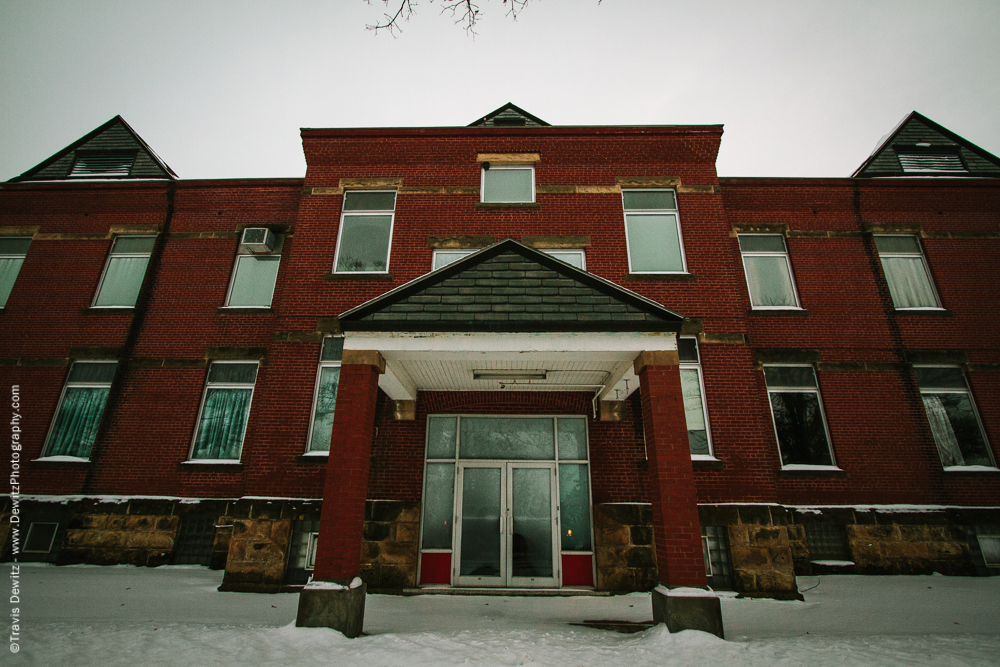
(85, 615)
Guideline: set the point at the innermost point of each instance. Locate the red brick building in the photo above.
(507, 355)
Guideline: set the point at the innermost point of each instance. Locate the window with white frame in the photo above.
(653, 232)
(953, 418)
(325, 395)
(693, 390)
(906, 272)
(13, 250)
(81, 406)
(797, 411)
(768, 271)
(508, 184)
(253, 281)
(572, 257)
(365, 236)
(225, 407)
(124, 271)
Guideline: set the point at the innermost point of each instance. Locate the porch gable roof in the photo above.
(510, 287)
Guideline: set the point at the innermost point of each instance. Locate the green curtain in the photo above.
(223, 421)
(76, 424)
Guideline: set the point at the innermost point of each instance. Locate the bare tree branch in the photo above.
(465, 13)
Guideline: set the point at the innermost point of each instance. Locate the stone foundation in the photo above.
(109, 539)
(624, 551)
(390, 550)
(258, 552)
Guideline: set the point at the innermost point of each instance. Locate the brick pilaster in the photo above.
(676, 528)
(342, 520)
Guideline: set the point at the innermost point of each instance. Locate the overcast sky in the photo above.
(219, 89)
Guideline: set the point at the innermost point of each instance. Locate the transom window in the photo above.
(124, 272)
(693, 390)
(768, 271)
(365, 236)
(325, 395)
(652, 232)
(13, 250)
(799, 423)
(81, 406)
(906, 272)
(225, 407)
(508, 184)
(958, 432)
(443, 258)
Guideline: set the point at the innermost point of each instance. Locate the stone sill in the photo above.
(707, 464)
(938, 312)
(192, 466)
(836, 473)
(358, 276)
(242, 311)
(118, 310)
(799, 312)
(971, 470)
(513, 204)
(312, 459)
(689, 277)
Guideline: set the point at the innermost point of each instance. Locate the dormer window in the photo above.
(102, 163)
(922, 159)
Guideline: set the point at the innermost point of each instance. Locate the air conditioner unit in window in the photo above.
(258, 240)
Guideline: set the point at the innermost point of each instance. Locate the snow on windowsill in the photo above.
(332, 585)
(971, 469)
(62, 459)
(215, 462)
(703, 457)
(685, 592)
(835, 563)
(804, 466)
(323, 454)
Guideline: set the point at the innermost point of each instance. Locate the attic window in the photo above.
(102, 164)
(926, 162)
(509, 122)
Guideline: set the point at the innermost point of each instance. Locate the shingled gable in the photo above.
(920, 147)
(509, 115)
(112, 151)
(509, 287)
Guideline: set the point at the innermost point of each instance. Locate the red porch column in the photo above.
(676, 528)
(338, 554)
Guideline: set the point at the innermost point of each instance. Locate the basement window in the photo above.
(715, 544)
(827, 542)
(989, 546)
(81, 406)
(41, 537)
(302, 551)
(225, 408)
(195, 541)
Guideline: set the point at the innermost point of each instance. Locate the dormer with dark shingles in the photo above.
(509, 287)
(112, 151)
(920, 147)
(509, 115)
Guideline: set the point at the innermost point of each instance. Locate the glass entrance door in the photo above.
(507, 524)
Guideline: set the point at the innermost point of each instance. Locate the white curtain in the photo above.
(944, 434)
(908, 282)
